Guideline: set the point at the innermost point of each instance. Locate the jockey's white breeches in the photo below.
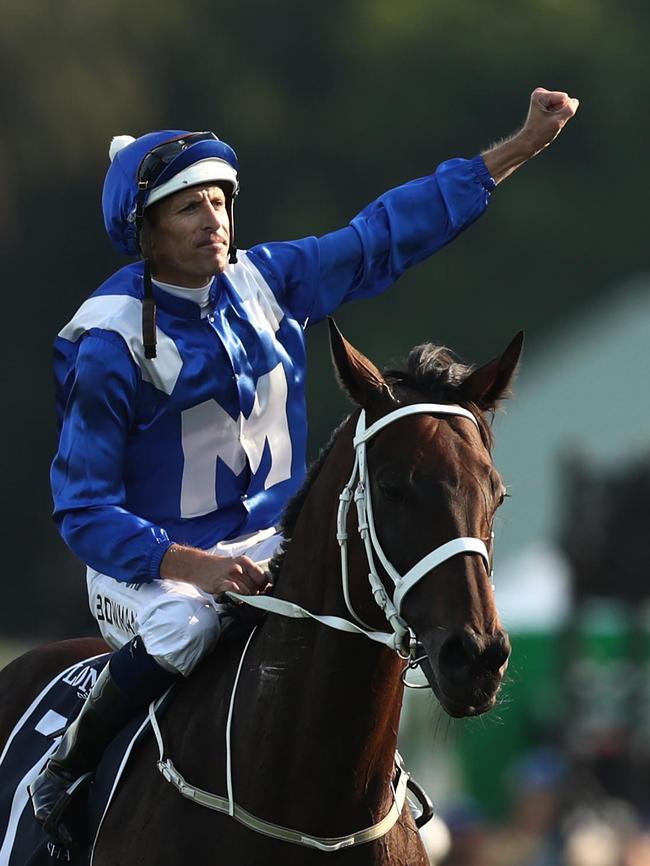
(177, 621)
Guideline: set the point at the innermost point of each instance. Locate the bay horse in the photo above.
(313, 724)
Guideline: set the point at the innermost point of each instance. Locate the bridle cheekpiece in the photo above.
(403, 583)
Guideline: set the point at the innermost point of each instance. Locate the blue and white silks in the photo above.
(207, 441)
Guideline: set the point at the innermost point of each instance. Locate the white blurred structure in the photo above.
(437, 839)
(532, 588)
(586, 390)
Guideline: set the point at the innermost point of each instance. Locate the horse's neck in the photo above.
(329, 702)
(311, 569)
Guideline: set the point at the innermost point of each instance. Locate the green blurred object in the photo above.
(532, 703)
(575, 687)
(599, 671)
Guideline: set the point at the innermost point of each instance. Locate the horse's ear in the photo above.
(491, 382)
(357, 375)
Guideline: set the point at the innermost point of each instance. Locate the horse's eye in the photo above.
(392, 491)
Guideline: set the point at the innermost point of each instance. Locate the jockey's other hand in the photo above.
(235, 574)
(213, 574)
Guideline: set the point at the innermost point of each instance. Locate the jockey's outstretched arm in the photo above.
(548, 112)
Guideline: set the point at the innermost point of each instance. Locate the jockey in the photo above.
(181, 399)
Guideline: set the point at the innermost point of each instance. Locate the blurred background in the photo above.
(329, 104)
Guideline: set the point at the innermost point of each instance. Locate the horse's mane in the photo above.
(294, 506)
(434, 372)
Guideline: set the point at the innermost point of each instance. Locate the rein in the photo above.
(401, 639)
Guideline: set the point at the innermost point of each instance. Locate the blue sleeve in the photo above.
(86, 475)
(314, 276)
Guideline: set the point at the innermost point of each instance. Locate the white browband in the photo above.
(364, 433)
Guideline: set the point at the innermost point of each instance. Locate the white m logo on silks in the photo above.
(209, 432)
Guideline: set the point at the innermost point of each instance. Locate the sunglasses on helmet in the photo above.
(157, 160)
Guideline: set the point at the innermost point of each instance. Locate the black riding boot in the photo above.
(106, 711)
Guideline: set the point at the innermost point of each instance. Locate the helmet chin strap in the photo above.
(232, 252)
(148, 302)
(148, 314)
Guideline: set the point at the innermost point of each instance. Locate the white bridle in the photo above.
(391, 607)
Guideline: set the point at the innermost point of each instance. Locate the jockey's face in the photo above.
(188, 235)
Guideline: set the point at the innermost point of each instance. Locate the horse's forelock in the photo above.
(437, 374)
(432, 364)
(432, 369)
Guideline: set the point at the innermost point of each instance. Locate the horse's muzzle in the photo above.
(467, 670)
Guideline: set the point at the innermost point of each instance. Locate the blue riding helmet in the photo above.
(147, 169)
(156, 165)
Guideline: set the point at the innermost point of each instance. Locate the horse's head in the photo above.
(431, 480)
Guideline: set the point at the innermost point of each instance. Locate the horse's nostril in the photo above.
(501, 650)
(454, 657)
(497, 653)
(468, 654)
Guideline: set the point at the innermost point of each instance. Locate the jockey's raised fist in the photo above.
(548, 112)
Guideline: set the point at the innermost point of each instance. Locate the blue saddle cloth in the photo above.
(22, 841)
